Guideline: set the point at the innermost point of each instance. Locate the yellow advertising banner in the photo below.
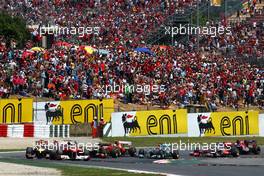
(16, 110)
(231, 123)
(157, 122)
(216, 2)
(81, 111)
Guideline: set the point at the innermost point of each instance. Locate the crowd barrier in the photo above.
(34, 130)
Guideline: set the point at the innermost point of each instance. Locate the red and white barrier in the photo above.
(3, 130)
(33, 130)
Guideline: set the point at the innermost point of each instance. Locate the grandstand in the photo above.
(220, 71)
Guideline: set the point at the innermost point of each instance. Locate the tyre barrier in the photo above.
(33, 130)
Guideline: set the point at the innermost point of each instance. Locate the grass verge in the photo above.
(70, 170)
(154, 141)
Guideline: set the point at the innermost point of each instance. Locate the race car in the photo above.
(126, 148)
(106, 150)
(69, 150)
(57, 151)
(163, 151)
(39, 151)
(248, 147)
(229, 149)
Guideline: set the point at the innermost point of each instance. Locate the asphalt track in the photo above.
(186, 166)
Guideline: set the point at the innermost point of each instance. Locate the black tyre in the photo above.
(72, 155)
(86, 153)
(104, 153)
(256, 150)
(175, 154)
(234, 152)
(53, 155)
(114, 153)
(29, 152)
(132, 151)
(141, 153)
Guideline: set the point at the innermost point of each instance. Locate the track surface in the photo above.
(188, 166)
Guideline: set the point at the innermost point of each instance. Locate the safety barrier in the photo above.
(3, 130)
(59, 131)
(34, 130)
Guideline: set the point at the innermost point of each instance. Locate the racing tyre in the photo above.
(53, 155)
(234, 152)
(132, 151)
(29, 153)
(73, 155)
(103, 153)
(256, 150)
(87, 153)
(141, 153)
(114, 153)
(175, 154)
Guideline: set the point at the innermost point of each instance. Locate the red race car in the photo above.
(126, 148)
(227, 149)
(69, 150)
(248, 147)
(105, 150)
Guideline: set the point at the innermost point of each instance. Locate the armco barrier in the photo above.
(41, 131)
(16, 131)
(32, 130)
(3, 130)
(28, 130)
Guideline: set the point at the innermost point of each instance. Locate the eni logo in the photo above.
(78, 111)
(10, 108)
(226, 124)
(155, 124)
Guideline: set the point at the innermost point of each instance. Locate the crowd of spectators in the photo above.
(212, 76)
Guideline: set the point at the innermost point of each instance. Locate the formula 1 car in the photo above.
(126, 148)
(39, 151)
(106, 150)
(57, 151)
(69, 150)
(247, 147)
(163, 151)
(229, 149)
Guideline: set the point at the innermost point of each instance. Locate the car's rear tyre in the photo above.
(141, 153)
(175, 154)
(72, 155)
(234, 152)
(114, 153)
(29, 152)
(256, 150)
(53, 155)
(132, 151)
(87, 153)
